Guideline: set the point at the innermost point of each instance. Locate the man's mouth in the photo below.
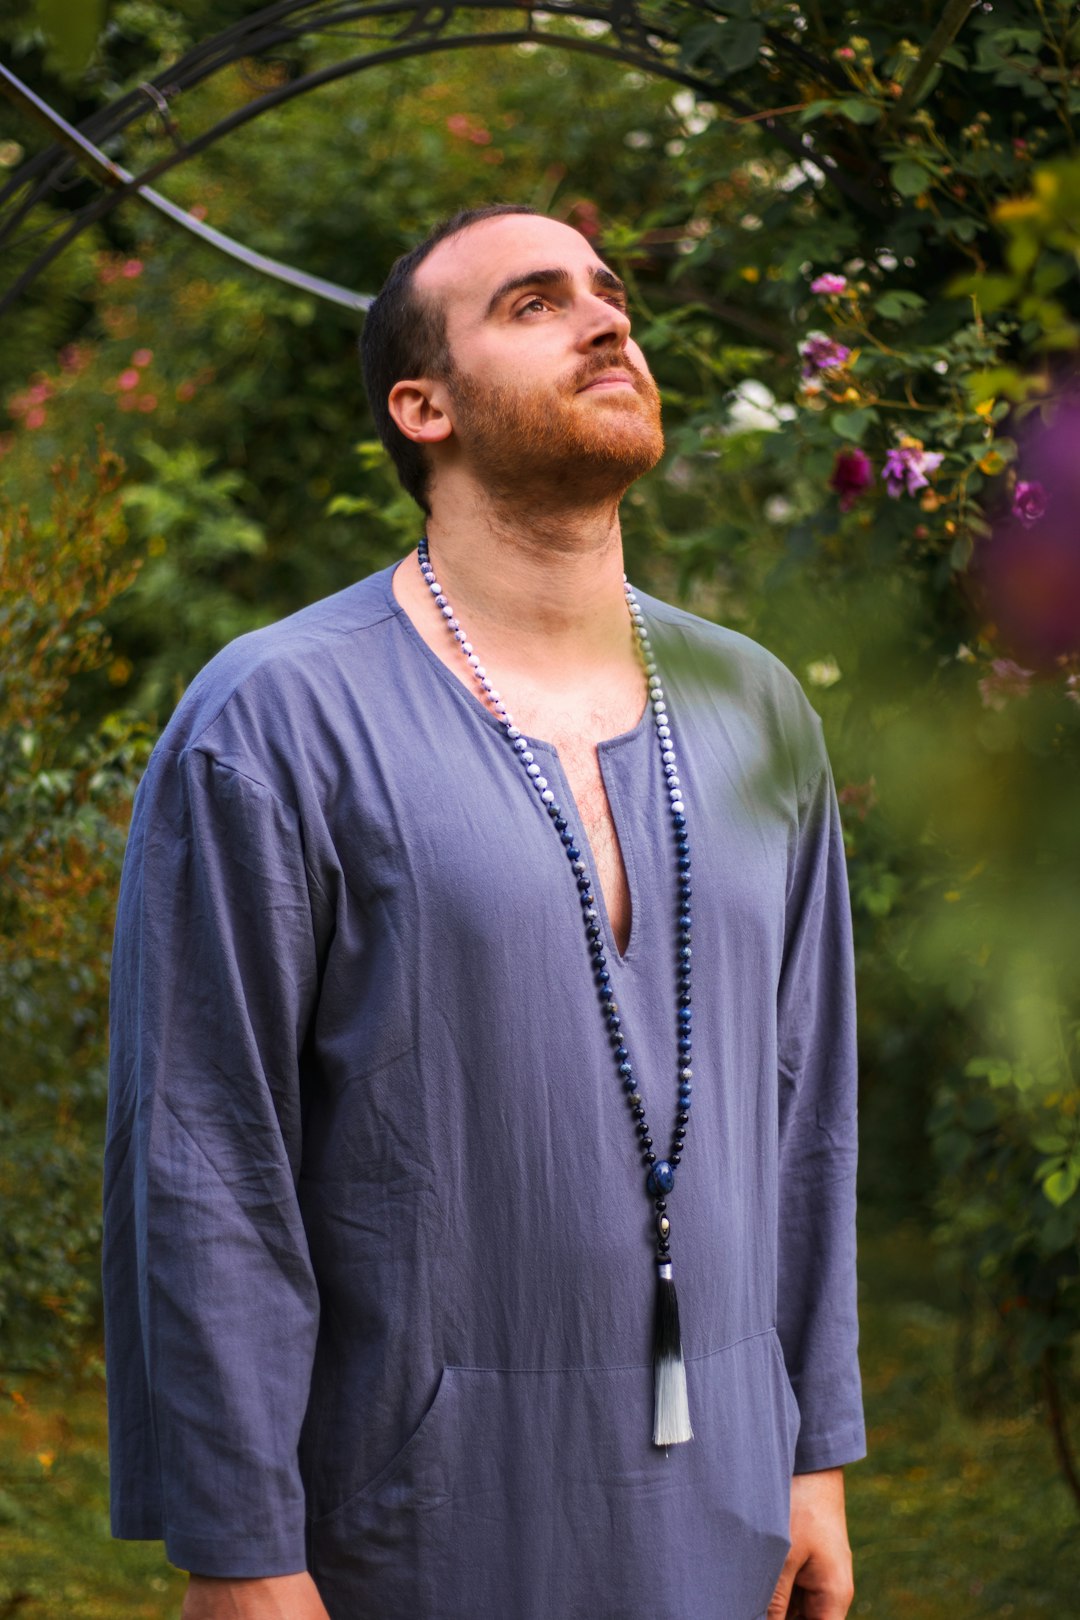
(616, 378)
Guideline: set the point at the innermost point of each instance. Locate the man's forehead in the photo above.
(466, 269)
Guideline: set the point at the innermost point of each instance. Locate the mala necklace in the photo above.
(671, 1415)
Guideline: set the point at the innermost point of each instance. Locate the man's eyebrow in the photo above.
(601, 277)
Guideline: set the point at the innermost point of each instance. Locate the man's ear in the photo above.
(417, 407)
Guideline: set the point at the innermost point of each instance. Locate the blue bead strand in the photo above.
(660, 1173)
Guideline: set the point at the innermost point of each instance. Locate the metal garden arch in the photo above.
(644, 34)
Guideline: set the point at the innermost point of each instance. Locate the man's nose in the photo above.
(604, 324)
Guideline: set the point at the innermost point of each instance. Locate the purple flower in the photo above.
(821, 353)
(829, 285)
(1006, 680)
(852, 474)
(905, 469)
(1029, 502)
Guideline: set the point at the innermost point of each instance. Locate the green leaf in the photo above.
(728, 45)
(1050, 1142)
(71, 28)
(909, 178)
(740, 44)
(859, 110)
(852, 425)
(817, 109)
(898, 303)
(1060, 1187)
(996, 382)
(979, 1113)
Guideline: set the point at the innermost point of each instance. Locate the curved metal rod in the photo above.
(114, 175)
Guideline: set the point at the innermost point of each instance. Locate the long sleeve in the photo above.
(211, 1304)
(816, 1306)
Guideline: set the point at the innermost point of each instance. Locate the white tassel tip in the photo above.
(671, 1424)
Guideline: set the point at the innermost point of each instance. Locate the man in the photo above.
(402, 986)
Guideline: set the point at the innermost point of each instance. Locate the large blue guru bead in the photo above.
(661, 1178)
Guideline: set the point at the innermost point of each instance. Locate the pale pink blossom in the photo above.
(1006, 680)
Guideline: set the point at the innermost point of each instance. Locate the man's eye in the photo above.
(533, 303)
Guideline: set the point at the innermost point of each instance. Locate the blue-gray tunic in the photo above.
(378, 1261)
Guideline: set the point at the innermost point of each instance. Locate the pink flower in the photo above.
(132, 268)
(1006, 680)
(846, 54)
(459, 123)
(128, 379)
(1029, 502)
(35, 417)
(142, 357)
(829, 285)
(185, 390)
(148, 402)
(821, 353)
(861, 797)
(852, 474)
(905, 469)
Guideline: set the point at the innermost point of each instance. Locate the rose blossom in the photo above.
(906, 468)
(852, 474)
(1029, 502)
(829, 284)
(821, 353)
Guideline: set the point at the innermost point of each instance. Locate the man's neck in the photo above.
(541, 589)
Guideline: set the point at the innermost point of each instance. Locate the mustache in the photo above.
(598, 365)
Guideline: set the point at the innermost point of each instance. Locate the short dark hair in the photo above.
(405, 336)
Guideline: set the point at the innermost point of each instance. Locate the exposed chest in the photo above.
(575, 737)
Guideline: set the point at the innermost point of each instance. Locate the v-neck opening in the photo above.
(605, 746)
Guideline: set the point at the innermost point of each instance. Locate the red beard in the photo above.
(584, 446)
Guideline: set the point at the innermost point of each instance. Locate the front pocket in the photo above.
(539, 1496)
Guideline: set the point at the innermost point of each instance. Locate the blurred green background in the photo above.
(874, 475)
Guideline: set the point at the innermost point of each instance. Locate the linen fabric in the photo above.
(378, 1252)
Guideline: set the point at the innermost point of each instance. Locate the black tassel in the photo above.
(671, 1420)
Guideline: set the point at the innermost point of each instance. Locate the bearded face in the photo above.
(592, 442)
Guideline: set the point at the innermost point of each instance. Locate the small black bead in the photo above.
(650, 1158)
(660, 1204)
(679, 1133)
(675, 1158)
(638, 1112)
(682, 1119)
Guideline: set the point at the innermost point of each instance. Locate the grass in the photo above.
(953, 1517)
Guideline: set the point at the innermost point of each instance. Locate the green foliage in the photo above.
(63, 804)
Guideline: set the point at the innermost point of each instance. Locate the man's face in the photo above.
(546, 382)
